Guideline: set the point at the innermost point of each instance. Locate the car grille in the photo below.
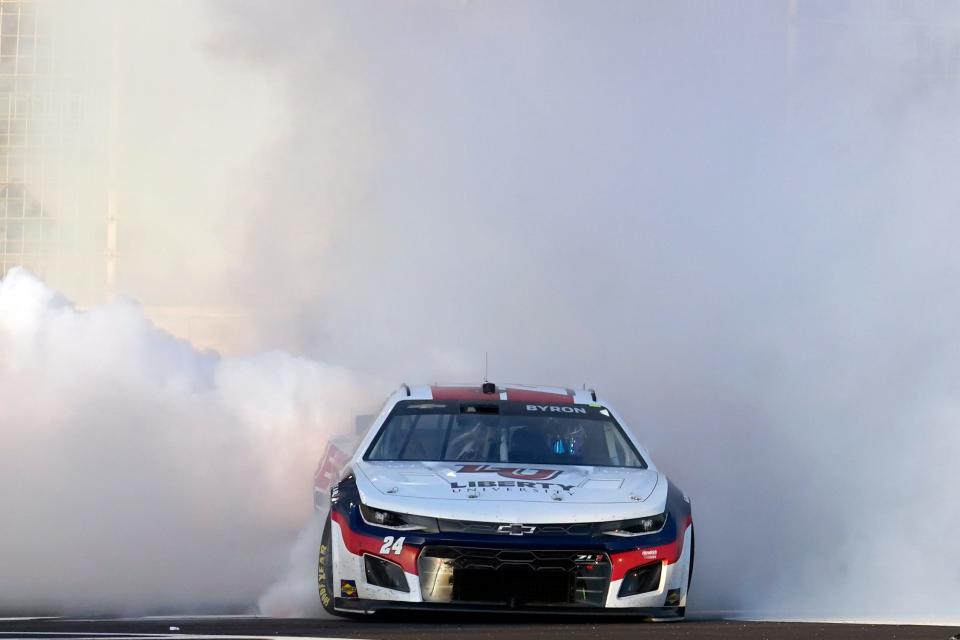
(513, 577)
(498, 528)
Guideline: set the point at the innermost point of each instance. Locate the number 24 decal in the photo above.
(391, 546)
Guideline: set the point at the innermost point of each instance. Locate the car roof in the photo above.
(507, 392)
(473, 392)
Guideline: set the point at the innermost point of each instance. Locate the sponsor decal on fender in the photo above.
(348, 588)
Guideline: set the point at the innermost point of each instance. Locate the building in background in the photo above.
(53, 184)
(58, 169)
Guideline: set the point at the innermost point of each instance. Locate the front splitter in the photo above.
(362, 605)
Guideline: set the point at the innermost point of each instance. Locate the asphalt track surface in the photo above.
(429, 627)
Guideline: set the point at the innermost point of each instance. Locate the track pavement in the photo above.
(430, 627)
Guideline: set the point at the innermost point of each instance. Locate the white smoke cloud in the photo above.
(739, 225)
(296, 593)
(736, 222)
(141, 474)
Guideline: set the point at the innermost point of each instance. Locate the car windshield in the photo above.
(503, 432)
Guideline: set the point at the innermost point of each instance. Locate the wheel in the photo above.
(325, 570)
(682, 610)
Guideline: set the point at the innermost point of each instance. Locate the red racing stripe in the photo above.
(669, 553)
(360, 543)
(463, 394)
(476, 394)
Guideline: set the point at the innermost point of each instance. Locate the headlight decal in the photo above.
(397, 521)
(634, 526)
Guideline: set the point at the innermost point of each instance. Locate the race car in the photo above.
(486, 497)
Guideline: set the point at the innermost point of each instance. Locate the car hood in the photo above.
(510, 492)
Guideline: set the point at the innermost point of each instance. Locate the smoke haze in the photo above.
(738, 222)
(143, 475)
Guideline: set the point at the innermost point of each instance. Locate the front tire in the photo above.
(682, 611)
(325, 570)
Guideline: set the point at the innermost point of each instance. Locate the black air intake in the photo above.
(382, 573)
(641, 580)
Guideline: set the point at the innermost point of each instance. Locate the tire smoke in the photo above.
(140, 474)
(295, 594)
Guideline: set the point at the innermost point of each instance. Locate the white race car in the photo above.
(502, 498)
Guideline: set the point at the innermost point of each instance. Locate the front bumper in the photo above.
(469, 572)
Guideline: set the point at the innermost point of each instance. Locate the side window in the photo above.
(393, 438)
(614, 449)
(621, 454)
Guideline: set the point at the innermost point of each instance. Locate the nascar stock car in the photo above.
(485, 497)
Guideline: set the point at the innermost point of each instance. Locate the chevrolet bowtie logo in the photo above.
(516, 529)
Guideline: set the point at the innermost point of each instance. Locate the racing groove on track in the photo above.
(490, 627)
